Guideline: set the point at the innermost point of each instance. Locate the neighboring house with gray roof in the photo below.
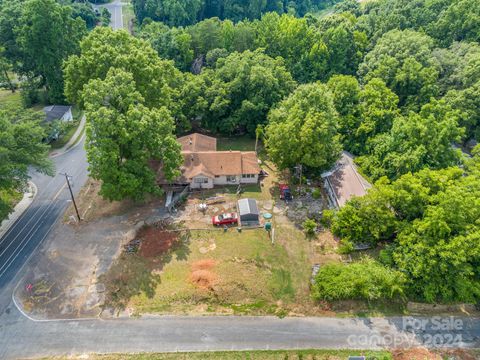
(58, 112)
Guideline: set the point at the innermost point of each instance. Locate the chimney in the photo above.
(191, 140)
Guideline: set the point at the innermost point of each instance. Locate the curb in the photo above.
(19, 209)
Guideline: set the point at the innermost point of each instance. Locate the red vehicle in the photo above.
(225, 219)
(285, 193)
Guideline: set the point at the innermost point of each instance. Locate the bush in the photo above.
(327, 218)
(363, 280)
(316, 193)
(309, 227)
(346, 247)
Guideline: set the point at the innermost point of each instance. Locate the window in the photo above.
(248, 176)
(200, 180)
(231, 178)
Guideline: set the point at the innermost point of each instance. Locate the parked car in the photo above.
(225, 219)
(285, 193)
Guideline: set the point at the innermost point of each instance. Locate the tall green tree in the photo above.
(124, 136)
(415, 142)
(467, 103)
(105, 48)
(171, 43)
(306, 55)
(21, 147)
(377, 111)
(47, 34)
(460, 21)
(302, 130)
(5, 67)
(404, 61)
(241, 90)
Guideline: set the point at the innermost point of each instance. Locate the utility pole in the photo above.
(67, 177)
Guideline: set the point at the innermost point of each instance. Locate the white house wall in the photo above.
(68, 115)
(222, 180)
(252, 180)
(195, 185)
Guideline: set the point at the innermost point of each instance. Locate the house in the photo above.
(344, 182)
(204, 167)
(58, 112)
(248, 212)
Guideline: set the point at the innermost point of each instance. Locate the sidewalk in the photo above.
(72, 141)
(19, 209)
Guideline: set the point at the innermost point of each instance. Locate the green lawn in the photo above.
(240, 273)
(244, 355)
(240, 143)
(7, 98)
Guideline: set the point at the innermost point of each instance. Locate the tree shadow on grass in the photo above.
(132, 274)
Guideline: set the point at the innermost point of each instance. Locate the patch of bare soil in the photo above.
(415, 354)
(202, 274)
(460, 354)
(156, 241)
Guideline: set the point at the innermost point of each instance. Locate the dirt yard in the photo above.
(63, 281)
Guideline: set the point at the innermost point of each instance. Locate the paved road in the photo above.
(29, 231)
(115, 8)
(22, 338)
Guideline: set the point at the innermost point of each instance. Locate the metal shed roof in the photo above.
(247, 206)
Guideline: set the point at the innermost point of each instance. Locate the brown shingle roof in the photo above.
(219, 163)
(201, 158)
(198, 142)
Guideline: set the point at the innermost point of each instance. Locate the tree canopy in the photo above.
(21, 147)
(37, 36)
(241, 89)
(105, 48)
(124, 136)
(187, 12)
(302, 130)
(428, 219)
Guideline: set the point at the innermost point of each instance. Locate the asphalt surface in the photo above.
(29, 231)
(115, 8)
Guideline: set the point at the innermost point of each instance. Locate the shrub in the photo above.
(309, 227)
(316, 193)
(363, 280)
(346, 247)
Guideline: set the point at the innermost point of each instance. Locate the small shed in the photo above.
(248, 212)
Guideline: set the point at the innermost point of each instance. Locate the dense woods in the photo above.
(394, 82)
(187, 12)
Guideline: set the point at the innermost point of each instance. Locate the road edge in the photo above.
(73, 142)
(19, 209)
